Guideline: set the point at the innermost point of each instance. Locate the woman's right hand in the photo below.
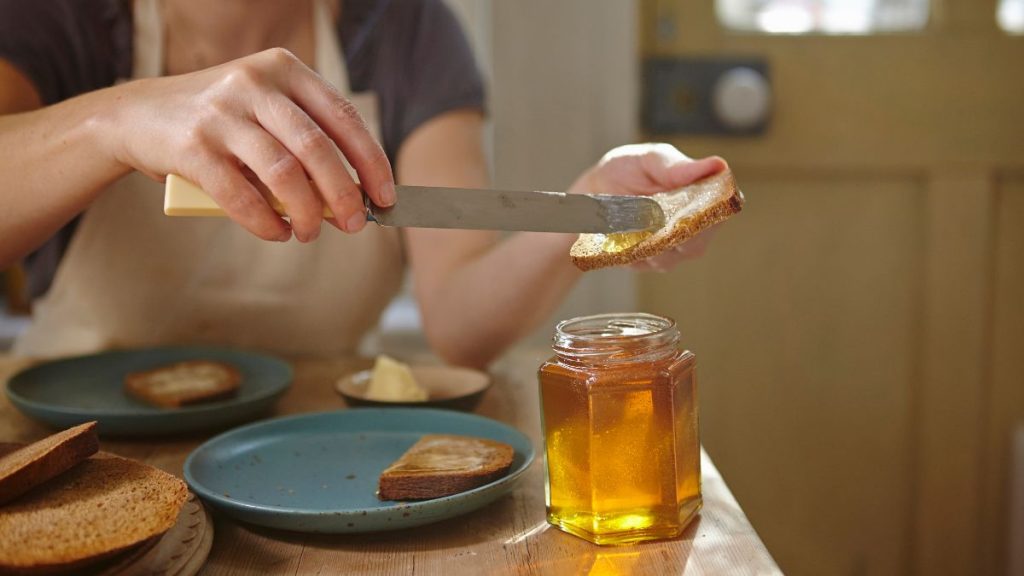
(268, 112)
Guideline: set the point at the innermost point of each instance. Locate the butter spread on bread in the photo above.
(184, 383)
(441, 465)
(688, 211)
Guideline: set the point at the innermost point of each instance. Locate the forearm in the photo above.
(487, 303)
(477, 295)
(55, 163)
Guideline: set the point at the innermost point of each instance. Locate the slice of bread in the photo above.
(184, 383)
(688, 211)
(441, 465)
(36, 463)
(101, 507)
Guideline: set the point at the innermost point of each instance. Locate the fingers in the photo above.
(221, 178)
(663, 262)
(689, 250)
(281, 172)
(273, 114)
(340, 120)
(687, 171)
(319, 158)
(670, 168)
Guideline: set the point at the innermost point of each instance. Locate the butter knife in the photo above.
(437, 207)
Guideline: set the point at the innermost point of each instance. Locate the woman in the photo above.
(290, 91)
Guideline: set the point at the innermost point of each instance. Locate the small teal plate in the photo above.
(70, 391)
(318, 472)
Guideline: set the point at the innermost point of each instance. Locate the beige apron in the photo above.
(134, 277)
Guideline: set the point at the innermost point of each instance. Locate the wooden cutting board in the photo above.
(181, 551)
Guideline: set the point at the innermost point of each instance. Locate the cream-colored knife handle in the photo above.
(183, 198)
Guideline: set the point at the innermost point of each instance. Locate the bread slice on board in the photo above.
(23, 469)
(440, 465)
(101, 507)
(688, 211)
(184, 383)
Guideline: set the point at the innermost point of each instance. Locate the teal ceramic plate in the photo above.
(70, 391)
(318, 472)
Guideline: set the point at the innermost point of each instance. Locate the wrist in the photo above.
(106, 123)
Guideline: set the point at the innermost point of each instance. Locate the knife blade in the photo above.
(465, 208)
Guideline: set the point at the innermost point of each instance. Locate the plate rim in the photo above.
(73, 411)
(305, 513)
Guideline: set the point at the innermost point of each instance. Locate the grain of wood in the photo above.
(507, 537)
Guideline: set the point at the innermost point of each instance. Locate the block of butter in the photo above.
(392, 381)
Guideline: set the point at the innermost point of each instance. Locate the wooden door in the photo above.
(859, 328)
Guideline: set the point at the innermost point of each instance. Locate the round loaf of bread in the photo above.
(102, 506)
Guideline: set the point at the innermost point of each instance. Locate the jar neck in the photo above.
(610, 339)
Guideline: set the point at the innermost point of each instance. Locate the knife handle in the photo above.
(183, 198)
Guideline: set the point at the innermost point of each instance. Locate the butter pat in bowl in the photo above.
(391, 383)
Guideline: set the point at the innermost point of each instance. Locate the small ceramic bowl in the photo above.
(448, 387)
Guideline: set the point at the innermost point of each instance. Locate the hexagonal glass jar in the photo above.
(621, 434)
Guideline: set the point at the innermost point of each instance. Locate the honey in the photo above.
(622, 452)
(619, 241)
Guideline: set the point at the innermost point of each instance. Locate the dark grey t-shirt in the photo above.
(412, 53)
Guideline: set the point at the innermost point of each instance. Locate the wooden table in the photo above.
(507, 537)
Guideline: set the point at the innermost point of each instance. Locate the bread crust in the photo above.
(587, 253)
(141, 384)
(102, 507)
(28, 467)
(416, 475)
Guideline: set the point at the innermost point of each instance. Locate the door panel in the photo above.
(859, 325)
(1006, 406)
(804, 323)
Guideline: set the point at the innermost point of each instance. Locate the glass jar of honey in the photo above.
(622, 449)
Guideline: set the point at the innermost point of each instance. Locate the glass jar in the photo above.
(619, 411)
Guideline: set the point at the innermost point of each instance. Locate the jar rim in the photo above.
(601, 330)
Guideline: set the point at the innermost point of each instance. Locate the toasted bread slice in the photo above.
(688, 211)
(440, 465)
(101, 507)
(36, 463)
(184, 383)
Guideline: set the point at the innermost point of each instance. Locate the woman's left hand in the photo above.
(645, 169)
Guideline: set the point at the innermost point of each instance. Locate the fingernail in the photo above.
(387, 195)
(355, 222)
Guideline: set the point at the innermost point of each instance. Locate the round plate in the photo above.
(318, 472)
(448, 387)
(71, 391)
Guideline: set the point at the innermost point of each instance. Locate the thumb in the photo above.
(687, 171)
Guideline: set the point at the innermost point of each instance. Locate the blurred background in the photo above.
(860, 326)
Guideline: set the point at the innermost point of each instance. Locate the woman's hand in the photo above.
(267, 112)
(645, 169)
